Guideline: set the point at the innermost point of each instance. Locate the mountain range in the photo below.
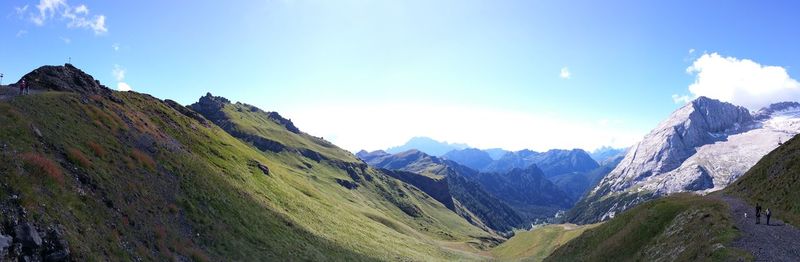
(427, 145)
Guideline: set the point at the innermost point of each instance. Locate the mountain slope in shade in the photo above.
(447, 178)
(427, 145)
(526, 190)
(703, 146)
(471, 157)
(576, 184)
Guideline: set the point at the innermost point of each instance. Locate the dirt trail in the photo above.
(775, 242)
(7, 92)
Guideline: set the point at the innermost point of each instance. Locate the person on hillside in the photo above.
(769, 214)
(22, 86)
(758, 213)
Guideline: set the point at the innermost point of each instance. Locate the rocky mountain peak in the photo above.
(66, 78)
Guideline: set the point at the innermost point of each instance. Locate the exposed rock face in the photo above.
(64, 78)
(211, 108)
(702, 147)
(701, 122)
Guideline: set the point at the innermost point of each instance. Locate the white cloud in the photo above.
(21, 11)
(681, 99)
(741, 81)
(115, 46)
(21, 33)
(66, 40)
(119, 74)
(124, 87)
(565, 74)
(691, 51)
(383, 125)
(82, 9)
(76, 17)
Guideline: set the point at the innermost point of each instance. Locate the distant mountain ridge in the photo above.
(427, 145)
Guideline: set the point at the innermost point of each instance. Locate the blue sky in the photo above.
(371, 74)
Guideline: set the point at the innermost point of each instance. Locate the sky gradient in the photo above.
(372, 74)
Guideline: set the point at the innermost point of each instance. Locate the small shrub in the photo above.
(77, 157)
(39, 164)
(143, 159)
(98, 150)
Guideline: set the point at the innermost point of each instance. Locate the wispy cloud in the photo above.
(75, 16)
(66, 40)
(681, 99)
(119, 74)
(565, 74)
(115, 46)
(21, 33)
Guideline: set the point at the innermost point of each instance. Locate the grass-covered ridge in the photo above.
(682, 227)
(774, 182)
(130, 177)
(538, 243)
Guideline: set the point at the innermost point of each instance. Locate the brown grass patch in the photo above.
(77, 157)
(143, 159)
(98, 150)
(39, 164)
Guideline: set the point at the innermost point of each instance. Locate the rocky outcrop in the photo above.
(23, 240)
(66, 78)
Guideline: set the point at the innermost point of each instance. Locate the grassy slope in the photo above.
(774, 182)
(142, 180)
(681, 227)
(537, 244)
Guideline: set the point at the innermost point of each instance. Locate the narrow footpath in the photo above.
(777, 241)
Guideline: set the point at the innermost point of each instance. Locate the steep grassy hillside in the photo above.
(537, 244)
(774, 182)
(125, 176)
(682, 227)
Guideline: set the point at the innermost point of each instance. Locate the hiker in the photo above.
(769, 214)
(22, 86)
(758, 213)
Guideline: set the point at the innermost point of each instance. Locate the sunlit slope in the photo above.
(774, 182)
(137, 178)
(682, 227)
(536, 244)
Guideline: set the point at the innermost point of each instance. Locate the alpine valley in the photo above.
(92, 174)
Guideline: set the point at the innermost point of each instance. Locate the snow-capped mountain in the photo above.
(702, 147)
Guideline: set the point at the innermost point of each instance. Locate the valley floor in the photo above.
(775, 242)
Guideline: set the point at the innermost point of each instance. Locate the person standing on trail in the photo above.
(769, 214)
(758, 213)
(22, 86)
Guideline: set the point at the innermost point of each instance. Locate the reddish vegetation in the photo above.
(143, 159)
(98, 150)
(77, 157)
(41, 165)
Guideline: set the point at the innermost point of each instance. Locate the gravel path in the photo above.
(776, 242)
